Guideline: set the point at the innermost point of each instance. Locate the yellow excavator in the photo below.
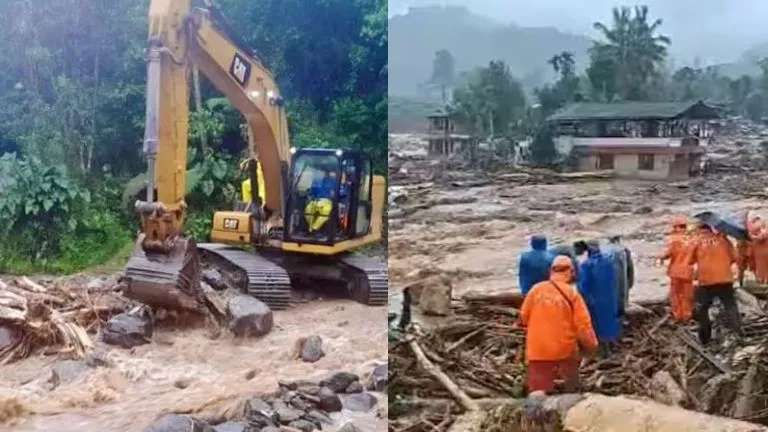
(309, 207)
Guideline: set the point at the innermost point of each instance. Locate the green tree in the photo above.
(491, 102)
(635, 50)
(565, 90)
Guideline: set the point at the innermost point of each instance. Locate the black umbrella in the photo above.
(724, 224)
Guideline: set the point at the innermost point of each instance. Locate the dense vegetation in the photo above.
(628, 63)
(72, 117)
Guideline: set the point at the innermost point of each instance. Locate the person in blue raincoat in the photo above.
(534, 265)
(597, 284)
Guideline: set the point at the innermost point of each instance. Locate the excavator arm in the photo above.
(180, 36)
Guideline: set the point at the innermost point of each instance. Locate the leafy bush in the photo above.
(46, 220)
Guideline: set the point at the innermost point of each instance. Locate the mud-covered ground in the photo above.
(190, 370)
(474, 225)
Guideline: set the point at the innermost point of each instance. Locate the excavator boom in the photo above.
(165, 269)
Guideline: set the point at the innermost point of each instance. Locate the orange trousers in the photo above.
(681, 298)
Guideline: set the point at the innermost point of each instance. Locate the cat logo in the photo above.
(231, 224)
(240, 69)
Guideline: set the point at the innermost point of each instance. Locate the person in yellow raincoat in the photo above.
(320, 200)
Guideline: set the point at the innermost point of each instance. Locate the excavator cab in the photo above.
(328, 197)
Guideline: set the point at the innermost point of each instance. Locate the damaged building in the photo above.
(443, 137)
(646, 140)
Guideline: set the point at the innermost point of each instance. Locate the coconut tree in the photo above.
(633, 44)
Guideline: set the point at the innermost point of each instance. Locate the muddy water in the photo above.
(140, 386)
(481, 241)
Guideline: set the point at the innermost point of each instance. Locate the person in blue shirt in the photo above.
(597, 285)
(534, 264)
(320, 200)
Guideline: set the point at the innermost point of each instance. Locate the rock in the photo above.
(179, 423)
(271, 429)
(354, 387)
(260, 413)
(643, 210)
(183, 383)
(379, 377)
(8, 337)
(232, 426)
(350, 427)
(329, 400)
(97, 358)
(320, 417)
(340, 381)
(66, 371)
(360, 402)
(286, 414)
(436, 297)
(665, 389)
(303, 425)
(312, 349)
(309, 389)
(213, 278)
(127, 331)
(95, 284)
(249, 316)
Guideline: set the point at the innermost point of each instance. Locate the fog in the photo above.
(714, 31)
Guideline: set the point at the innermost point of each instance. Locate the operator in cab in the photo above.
(320, 200)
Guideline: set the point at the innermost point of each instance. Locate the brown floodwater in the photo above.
(140, 384)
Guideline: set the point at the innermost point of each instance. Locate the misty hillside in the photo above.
(474, 41)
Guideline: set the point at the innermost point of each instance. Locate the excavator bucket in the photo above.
(167, 280)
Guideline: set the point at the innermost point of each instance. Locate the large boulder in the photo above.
(179, 423)
(339, 381)
(249, 316)
(360, 402)
(311, 349)
(436, 297)
(127, 330)
(329, 400)
(378, 378)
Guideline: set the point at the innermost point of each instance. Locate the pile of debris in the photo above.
(303, 405)
(59, 316)
(479, 356)
(62, 317)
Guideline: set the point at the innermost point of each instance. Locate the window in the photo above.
(605, 162)
(645, 162)
(363, 219)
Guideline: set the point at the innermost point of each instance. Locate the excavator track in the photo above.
(252, 273)
(368, 278)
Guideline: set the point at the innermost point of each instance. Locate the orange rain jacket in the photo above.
(677, 252)
(713, 254)
(556, 318)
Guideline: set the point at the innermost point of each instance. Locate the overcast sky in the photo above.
(714, 30)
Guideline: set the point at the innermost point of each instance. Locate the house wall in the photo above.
(626, 166)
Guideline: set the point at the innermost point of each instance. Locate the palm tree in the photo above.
(638, 51)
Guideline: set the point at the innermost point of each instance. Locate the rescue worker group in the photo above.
(575, 296)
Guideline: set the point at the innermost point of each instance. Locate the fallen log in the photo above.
(29, 285)
(593, 412)
(466, 402)
(512, 299)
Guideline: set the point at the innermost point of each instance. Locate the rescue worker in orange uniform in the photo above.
(758, 234)
(713, 255)
(558, 327)
(679, 270)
